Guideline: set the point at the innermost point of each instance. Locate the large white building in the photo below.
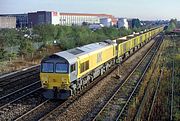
(122, 22)
(80, 18)
(77, 19)
(52, 17)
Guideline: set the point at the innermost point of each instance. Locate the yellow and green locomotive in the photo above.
(64, 73)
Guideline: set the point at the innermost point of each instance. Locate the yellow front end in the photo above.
(56, 86)
(52, 80)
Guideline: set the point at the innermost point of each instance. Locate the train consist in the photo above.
(64, 73)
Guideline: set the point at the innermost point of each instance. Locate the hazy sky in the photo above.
(143, 9)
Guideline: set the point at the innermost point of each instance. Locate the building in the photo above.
(80, 18)
(68, 19)
(21, 19)
(43, 17)
(77, 19)
(7, 22)
(52, 17)
(95, 26)
(130, 23)
(107, 22)
(122, 22)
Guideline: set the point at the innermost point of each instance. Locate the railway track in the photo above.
(12, 75)
(162, 107)
(153, 100)
(15, 81)
(146, 102)
(172, 83)
(15, 108)
(116, 105)
(39, 111)
(4, 100)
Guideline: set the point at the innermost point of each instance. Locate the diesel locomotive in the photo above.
(65, 73)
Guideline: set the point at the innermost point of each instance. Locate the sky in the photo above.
(142, 9)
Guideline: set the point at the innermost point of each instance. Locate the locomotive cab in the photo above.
(55, 77)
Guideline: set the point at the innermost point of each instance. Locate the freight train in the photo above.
(65, 73)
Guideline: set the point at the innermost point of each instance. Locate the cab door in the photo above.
(73, 72)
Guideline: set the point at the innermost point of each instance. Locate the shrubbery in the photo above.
(66, 36)
(73, 36)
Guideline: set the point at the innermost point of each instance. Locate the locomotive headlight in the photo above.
(44, 84)
(64, 85)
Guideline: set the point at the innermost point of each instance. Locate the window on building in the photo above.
(84, 66)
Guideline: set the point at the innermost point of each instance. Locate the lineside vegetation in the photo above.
(66, 37)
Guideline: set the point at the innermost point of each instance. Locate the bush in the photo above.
(3, 54)
(26, 48)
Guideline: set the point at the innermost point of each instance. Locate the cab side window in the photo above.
(73, 67)
(84, 66)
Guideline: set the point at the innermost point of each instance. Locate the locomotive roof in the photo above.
(72, 54)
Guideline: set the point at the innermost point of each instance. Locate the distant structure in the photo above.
(21, 19)
(129, 23)
(107, 22)
(68, 19)
(7, 22)
(122, 22)
(80, 18)
(43, 17)
(96, 26)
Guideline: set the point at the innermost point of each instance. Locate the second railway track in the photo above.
(12, 110)
(18, 93)
(16, 81)
(117, 104)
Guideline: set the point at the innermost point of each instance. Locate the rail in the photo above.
(123, 108)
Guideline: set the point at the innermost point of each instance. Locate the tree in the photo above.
(136, 23)
(2, 41)
(123, 32)
(46, 32)
(26, 48)
(3, 54)
(172, 25)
